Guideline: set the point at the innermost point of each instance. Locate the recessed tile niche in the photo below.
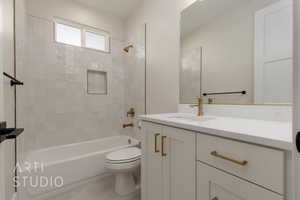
(96, 82)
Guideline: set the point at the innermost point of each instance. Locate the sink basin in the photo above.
(192, 118)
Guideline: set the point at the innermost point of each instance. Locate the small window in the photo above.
(81, 36)
(67, 34)
(98, 41)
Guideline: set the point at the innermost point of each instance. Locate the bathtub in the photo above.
(53, 168)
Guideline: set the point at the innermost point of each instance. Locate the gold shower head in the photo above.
(126, 49)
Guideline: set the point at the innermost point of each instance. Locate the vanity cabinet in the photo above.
(168, 163)
(183, 165)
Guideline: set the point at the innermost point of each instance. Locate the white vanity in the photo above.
(186, 157)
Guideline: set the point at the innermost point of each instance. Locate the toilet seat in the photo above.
(124, 156)
(122, 164)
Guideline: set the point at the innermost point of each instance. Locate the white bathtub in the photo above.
(71, 163)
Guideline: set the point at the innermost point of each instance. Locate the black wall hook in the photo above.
(13, 81)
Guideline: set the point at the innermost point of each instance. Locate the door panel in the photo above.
(278, 32)
(179, 164)
(274, 53)
(296, 109)
(275, 74)
(152, 174)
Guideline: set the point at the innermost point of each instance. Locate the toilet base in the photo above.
(124, 184)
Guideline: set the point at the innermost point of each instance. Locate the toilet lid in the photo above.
(125, 154)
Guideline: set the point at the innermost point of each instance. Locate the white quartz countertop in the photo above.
(275, 134)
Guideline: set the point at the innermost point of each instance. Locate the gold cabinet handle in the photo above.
(163, 138)
(216, 198)
(155, 143)
(216, 154)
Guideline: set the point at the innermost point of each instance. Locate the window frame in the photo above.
(83, 29)
(96, 32)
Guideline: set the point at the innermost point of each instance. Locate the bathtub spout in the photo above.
(128, 125)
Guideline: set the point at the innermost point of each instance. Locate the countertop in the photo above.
(275, 134)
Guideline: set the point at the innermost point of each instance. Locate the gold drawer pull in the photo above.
(155, 145)
(216, 198)
(242, 163)
(163, 138)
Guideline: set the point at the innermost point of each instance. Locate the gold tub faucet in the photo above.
(127, 125)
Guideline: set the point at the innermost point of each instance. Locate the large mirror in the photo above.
(237, 52)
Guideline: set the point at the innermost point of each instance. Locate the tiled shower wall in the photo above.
(55, 107)
(135, 76)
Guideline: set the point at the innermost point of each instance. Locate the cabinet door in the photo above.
(179, 164)
(152, 174)
(214, 184)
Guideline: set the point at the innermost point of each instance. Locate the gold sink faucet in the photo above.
(199, 105)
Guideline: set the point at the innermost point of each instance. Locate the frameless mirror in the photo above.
(237, 52)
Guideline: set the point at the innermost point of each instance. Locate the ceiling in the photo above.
(203, 11)
(119, 8)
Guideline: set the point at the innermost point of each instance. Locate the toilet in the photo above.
(123, 163)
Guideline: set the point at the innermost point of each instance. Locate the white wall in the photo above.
(296, 113)
(76, 12)
(1, 61)
(8, 61)
(6, 64)
(163, 50)
(187, 3)
(2, 172)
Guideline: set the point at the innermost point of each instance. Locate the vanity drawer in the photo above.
(260, 165)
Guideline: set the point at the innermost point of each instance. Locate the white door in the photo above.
(179, 164)
(296, 120)
(152, 172)
(274, 54)
(214, 184)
